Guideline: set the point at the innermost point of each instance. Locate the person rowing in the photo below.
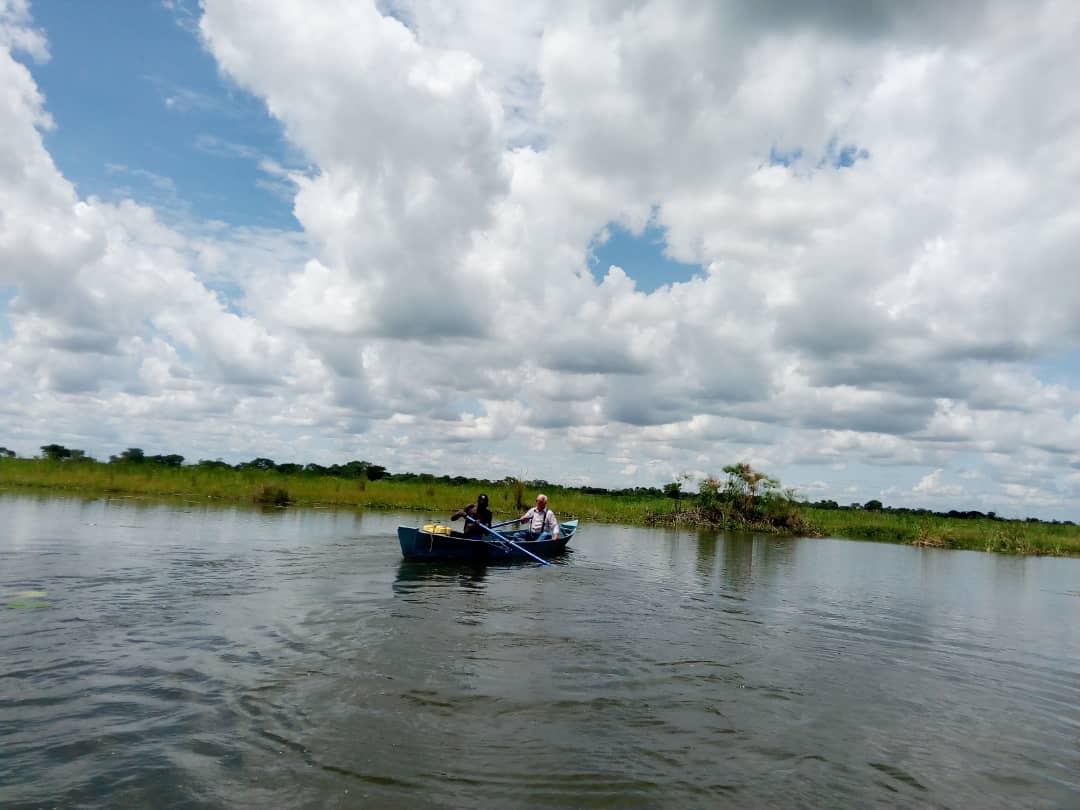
(478, 512)
(543, 525)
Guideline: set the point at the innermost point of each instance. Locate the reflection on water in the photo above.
(191, 656)
(411, 574)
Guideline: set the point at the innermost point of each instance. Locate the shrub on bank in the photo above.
(745, 499)
(272, 495)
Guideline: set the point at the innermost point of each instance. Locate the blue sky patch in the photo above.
(836, 155)
(842, 156)
(136, 100)
(784, 157)
(1060, 369)
(641, 257)
(6, 294)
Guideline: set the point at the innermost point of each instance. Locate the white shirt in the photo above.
(542, 521)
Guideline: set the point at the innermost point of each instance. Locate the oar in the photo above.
(506, 539)
(506, 523)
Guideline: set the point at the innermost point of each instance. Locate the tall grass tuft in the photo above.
(928, 536)
(1009, 540)
(515, 487)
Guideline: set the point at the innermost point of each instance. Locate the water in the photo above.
(192, 657)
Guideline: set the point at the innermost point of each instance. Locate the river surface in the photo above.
(184, 656)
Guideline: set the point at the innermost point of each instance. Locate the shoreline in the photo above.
(275, 490)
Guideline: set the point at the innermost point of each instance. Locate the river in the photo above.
(188, 656)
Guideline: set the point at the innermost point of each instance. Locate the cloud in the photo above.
(277, 180)
(929, 483)
(877, 300)
(184, 99)
(159, 182)
(184, 12)
(398, 199)
(107, 303)
(17, 33)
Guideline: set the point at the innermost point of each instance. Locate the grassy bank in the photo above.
(509, 498)
(1007, 536)
(262, 486)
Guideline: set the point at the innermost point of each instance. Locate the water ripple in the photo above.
(198, 659)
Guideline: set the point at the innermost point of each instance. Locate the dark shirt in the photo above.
(482, 515)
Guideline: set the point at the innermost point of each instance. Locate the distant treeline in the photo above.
(356, 469)
(877, 506)
(136, 456)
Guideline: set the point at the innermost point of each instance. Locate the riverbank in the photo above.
(509, 498)
(930, 531)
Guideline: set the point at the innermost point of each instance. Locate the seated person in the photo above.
(543, 525)
(477, 511)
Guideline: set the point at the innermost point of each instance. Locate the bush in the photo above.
(746, 499)
(274, 496)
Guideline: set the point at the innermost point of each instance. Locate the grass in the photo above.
(271, 487)
(277, 489)
(1007, 536)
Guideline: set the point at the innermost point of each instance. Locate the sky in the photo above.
(616, 243)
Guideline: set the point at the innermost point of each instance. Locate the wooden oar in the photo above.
(506, 540)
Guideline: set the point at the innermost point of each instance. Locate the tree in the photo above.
(873, 506)
(5, 453)
(352, 469)
(55, 452)
(745, 485)
(133, 455)
(171, 460)
(257, 464)
(674, 489)
(748, 497)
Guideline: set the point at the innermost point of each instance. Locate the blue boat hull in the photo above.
(416, 544)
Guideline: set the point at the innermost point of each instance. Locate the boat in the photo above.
(439, 542)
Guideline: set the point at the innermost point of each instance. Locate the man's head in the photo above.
(481, 500)
(541, 501)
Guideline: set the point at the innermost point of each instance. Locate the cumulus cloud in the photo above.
(880, 196)
(108, 313)
(409, 152)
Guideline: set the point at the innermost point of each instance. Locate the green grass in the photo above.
(275, 488)
(270, 487)
(1008, 536)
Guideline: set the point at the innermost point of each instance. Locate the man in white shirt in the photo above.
(543, 525)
